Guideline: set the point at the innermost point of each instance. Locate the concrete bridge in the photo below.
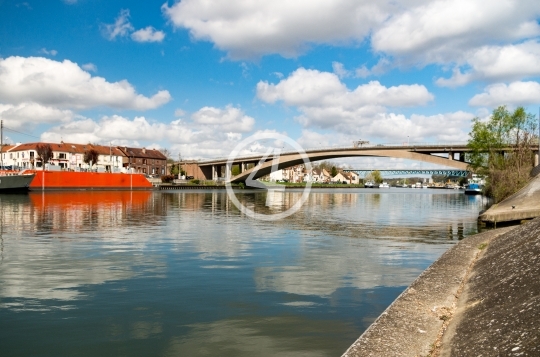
(449, 155)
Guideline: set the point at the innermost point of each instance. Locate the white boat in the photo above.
(425, 185)
(371, 184)
(384, 185)
(418, 185)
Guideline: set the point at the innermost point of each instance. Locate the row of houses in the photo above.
(299, 173)
(69, 156)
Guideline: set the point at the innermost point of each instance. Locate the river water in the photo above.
(185, 273)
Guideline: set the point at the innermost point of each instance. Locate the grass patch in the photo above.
(482, 246)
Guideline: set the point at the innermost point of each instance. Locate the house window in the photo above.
(31, 154)
(144, 161)
(62, 156)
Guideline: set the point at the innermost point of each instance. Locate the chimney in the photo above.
(143, 150)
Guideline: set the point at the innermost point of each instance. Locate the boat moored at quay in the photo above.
(71, 180)
(14, 181)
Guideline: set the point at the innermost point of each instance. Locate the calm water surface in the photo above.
(186, 274)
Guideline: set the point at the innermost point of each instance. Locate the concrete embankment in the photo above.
(413, 323)
(498, 312)
(480, 298)
(525, 204)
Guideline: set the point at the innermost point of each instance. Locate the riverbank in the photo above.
(524, 204)
(478, 298)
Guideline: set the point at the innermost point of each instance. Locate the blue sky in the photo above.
(196, 77)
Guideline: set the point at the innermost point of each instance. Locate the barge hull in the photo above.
(67, 180)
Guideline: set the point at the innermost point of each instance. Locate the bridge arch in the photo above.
(288, 160)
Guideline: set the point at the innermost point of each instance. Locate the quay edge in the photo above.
(412, 323)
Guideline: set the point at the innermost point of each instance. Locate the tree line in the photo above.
(500, 150)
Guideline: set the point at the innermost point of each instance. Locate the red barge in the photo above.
(69, 180)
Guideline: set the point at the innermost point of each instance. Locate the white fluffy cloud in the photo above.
(148, 34)
(494, 63)
(24, 114)
(66, 85)
(516, 93)
(229, 119)
(438, 31)
(442, 30)
(324, 101)
(210, 132)
(248, 29)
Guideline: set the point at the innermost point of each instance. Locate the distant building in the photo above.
(346, 177)
(144, 161)
(67, 156)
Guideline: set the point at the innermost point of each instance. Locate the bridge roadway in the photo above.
(217, 168)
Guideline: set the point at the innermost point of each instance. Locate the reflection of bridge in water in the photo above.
(400, 172)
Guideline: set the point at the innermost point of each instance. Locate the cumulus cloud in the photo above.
(66, 85)
(148, 34)
(440, 31)
(209, 132)
(493, 63)
(479, 41)
(229, 119)
(254, 29)
(25, 114)
(120, 28)
(324, 101)
(515, 93)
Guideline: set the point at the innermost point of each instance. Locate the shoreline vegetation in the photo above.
(506, 171)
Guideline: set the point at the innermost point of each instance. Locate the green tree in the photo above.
(333, 171)
(44, 154)
(376, 176)
(235, 170)
(500, 150)
(175, 169)
(91, 157)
